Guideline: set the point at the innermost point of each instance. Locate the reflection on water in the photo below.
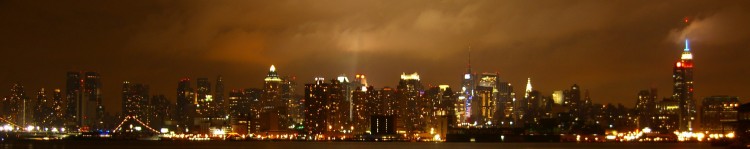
(109, 144)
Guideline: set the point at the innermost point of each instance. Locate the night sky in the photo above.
(613, 49)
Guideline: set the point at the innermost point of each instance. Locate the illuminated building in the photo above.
(135, 100)
(483, 106)
(382, 125)
(42, 111)
(557, 97)
(83, 93)
(467, 93)
(186, 102)
(204, 98)
(58, 109)
(717, 111)
(387, 96)
(316, 112)
(573, 101)
(239, 111)
(14, 107)
(645, 108)
(293, 101)
(272, 101)
(683, 89)
(365, 104)
(506, 105)
(667, 116)
(346, 90)
(409, 105)
(438, 102)
(338, 107)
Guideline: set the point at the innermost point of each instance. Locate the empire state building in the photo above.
(683, 89)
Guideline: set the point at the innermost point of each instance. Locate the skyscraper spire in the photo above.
(468, 66)
(528, 88)
(686, 55)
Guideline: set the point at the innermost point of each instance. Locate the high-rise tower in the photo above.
(683, 89)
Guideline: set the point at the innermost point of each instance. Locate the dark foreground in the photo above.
(335, 145)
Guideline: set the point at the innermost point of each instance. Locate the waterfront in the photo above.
(336, 145)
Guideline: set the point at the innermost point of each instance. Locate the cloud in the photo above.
(726, 26)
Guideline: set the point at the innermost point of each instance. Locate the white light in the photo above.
(218, 132)
(164, 130)
(29, 128)
(137, 128)
(273, 68)
(413, 76)
(467, 76)
(647, 130)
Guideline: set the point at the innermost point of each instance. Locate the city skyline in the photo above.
(613, 54)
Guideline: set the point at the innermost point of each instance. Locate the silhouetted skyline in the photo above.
(612, 49)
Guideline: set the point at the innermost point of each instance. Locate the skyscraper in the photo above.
(219, 109)
(683, 89)
(185, 105)
(84, 99)
(204, 98)
(135, 100)
(409, 96)
(274, 106)
(467, 93)
(316, 113)
(645, 107)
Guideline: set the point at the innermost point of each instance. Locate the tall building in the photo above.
(42, 109)
(161, 111)
(84, 96)
(316, 112)
(468, 83)
(186, 102)
(219, 109)
(292, 99)
(573, 101)
(683, 89)
(483, 106)
(205, 99)
(58, 109)
(274, 106)
(506, 105)
(409, 103)
(667, 116)
(135, 101)
(717, 112)
(645, 107)
(14, 107)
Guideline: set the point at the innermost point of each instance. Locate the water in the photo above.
(335, 145)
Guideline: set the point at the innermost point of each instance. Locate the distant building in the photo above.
(135, 101)
(667, 116)
(645, 108)
(382, 125)
(483, 106)
(683, 89)
(717, 112)
(186, 102)
(409, 107)
(316, 112)
(84, 96)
